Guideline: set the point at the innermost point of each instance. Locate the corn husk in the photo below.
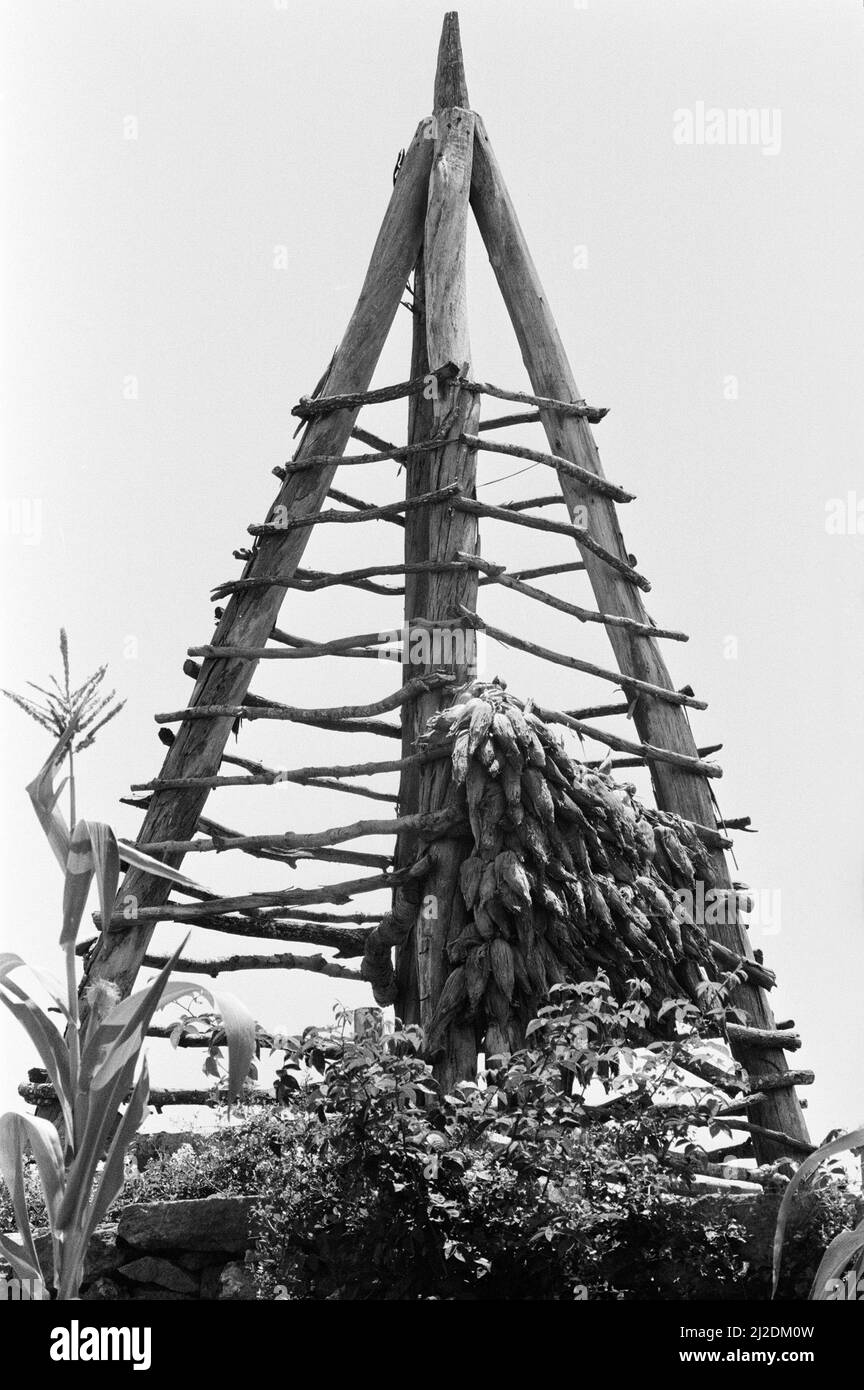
(568, 872)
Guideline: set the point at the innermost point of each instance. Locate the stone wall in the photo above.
(197, 1250)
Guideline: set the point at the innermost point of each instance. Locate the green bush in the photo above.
(384, 1189)
(375, 1186)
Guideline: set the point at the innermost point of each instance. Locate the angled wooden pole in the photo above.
(659, 723)
(250, 615)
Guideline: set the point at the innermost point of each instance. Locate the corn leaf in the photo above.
(79, 876)
(132, 855)
(22, 1263)
(47, 1150)
(855, 1140)
(111, 1180)
(841, 1252)
(106, 854)
(240, 1034)
(13, 1145)
(103, 1111)
(9, 962)
(45, 1038)
(121, 1035)
(44, 797)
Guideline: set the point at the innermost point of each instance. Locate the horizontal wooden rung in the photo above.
(316, 720)
(584, 615)
(429, 824)
(568, 567)
(310, 581)
(782, 1080)
(509, 639)
(593, 481)
(757, 974)
(42, 1093)
(550, 500)
(560, 528)
(402, 451)
(592, 414)
(769, 1038)
(501, 422)
(357, 502)
(310, 406)
(373, 440)
(162, 784)
(390, 509)
(217, 914)
(621, 745)
(411, 690)
(643, 762)
(337, 647)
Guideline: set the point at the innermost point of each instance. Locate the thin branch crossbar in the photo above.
(298, 648)
(585, 615)
(317, 776)
(214, 914)
(429, 825)
(317, 719)
(560, 528)
(308, 407)
(556, 461)
(348, 501)
(503, 422)
(309, 581)
(412, 690)
(321, 783)
(577, 409)
(623, 745)
(370, 513)
(280, 960)
(659, 692)
(400, 451)
(570, 567)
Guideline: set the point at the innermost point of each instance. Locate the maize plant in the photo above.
(93, 1063)
(845, 1255)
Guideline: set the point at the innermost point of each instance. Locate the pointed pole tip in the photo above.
(451, 88)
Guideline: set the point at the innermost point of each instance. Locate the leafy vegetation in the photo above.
(94, 1065)
(378, 1187)
(841, 1268)
(374, 1186)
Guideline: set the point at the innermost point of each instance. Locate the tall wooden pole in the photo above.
(451, 532)
(421, 425)
(658, 722)
(450, 90)
(442, 534)
(250, 614)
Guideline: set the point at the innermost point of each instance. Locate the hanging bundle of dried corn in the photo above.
(569, 873)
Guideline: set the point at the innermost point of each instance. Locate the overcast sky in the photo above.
(192, 191)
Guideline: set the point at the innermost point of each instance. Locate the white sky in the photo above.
(261, 127)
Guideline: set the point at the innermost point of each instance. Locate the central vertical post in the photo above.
(434, 638)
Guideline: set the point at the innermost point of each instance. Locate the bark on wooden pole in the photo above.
(658, 722)
(421, 425)
(454, 411)
(249, 616)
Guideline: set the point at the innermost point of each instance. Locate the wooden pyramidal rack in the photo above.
(541, 867)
